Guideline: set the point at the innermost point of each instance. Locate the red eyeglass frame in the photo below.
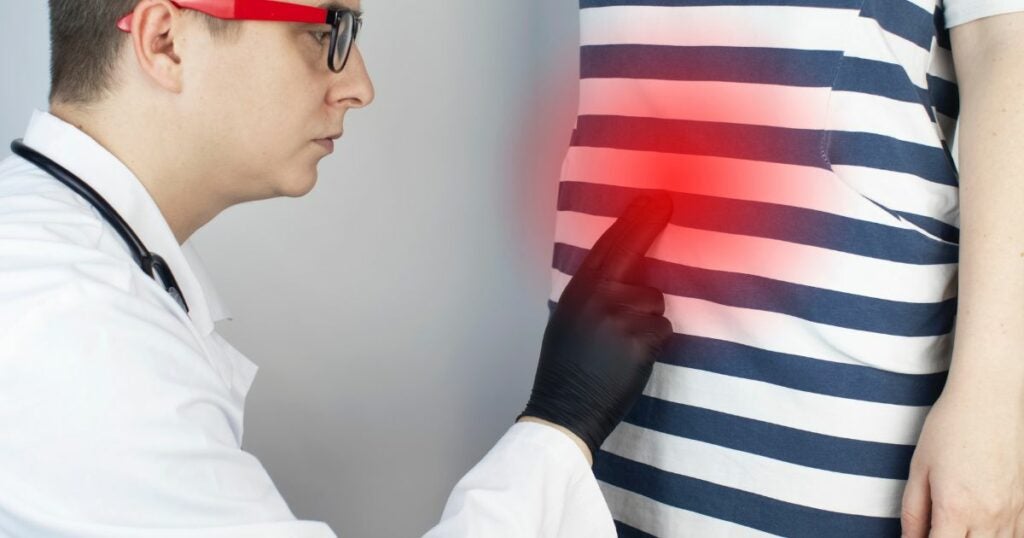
(251, 10)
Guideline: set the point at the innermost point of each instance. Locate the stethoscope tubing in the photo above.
(149, 262)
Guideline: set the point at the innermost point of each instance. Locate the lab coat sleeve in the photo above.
(534, 483)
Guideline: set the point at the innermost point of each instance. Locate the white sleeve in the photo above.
(958, 12)
(115, 423)
(534, 483)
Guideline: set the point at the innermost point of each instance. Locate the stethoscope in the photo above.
(151, 263)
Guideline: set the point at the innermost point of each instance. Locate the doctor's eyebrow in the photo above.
(334, 4)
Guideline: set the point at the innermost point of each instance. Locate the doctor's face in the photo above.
(267, 102)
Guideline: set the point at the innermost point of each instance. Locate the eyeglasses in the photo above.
(344, 23)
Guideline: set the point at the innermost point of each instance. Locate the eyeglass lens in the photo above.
(343, 35)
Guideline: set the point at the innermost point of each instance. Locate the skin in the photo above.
(967, 474)
(575, 438)
(242, 116)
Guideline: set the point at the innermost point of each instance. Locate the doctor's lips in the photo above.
(328, 141)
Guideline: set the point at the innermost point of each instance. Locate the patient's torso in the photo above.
(809, 268)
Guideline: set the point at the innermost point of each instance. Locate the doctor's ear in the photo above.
(155, 27)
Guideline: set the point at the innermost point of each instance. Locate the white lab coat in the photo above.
(122, 416)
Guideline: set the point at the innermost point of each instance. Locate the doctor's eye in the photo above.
(321, 37)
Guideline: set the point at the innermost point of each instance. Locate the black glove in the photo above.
(606, 332)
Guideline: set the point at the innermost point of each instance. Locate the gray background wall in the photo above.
(395, 312)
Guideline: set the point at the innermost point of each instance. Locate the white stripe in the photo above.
(660, 519)
(782, 333)
(928, 6)
(730, 26)
(806, 411)
(941, 64)
(807, 187)
(794, 107)
(867, 113)
(778, 260)
(903, 192)
(948, 126)
(804, 486)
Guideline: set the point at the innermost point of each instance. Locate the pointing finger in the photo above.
(625, 255)
(603, 245)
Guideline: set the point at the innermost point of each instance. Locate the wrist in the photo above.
(572, 436)
(987, 375)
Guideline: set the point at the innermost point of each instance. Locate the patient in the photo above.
(810, 274)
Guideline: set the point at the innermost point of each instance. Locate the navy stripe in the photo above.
(625, 531)
(801, 373)
(768, 144)
(941, 32)
(926, 98)
(808, 449)
(801, 147)
(876, 78)
(883, 79)
(890, 80)
(788, 67)
(765, 66)
(887, 153)
(773, 221)
(744, 508)
(838, 4)
(944, 96)
(935, 227)
(817, 305)
(902, 18)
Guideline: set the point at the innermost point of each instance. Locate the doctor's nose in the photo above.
(352, 87)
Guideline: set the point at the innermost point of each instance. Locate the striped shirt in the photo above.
(810, 267)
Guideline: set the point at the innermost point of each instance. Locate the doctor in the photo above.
(121, 405)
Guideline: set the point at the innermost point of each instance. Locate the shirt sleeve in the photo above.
(534, 483)
(958, 12)
(116, 424)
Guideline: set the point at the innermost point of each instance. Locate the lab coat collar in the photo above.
(85, 157)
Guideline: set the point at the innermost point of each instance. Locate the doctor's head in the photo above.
(244, 102)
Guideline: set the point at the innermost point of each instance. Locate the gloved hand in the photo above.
(605, 333)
